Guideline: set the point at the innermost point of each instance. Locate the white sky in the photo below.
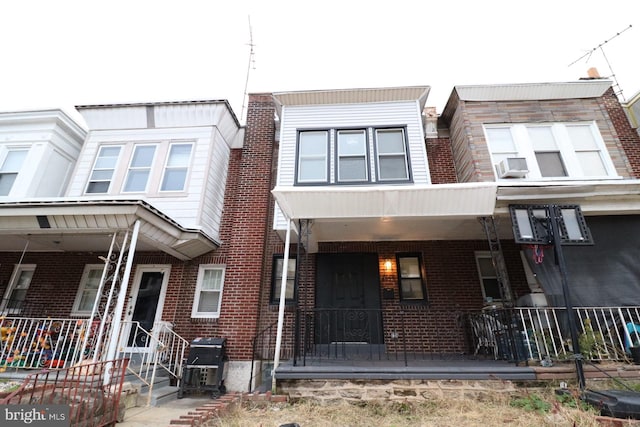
(61, 53)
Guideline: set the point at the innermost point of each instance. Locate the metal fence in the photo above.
(36, 343)
(91, 391)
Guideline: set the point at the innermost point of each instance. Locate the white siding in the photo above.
(352, 115)
(199, 206)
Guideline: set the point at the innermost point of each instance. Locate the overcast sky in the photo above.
(62, 53)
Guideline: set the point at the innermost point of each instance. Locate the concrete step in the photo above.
(159, 396)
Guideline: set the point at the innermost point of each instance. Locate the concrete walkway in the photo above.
(163, 414)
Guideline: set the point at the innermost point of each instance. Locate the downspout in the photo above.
(283, 295)
(119, 308)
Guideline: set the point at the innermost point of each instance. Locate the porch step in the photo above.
(434, 370)
(162, 391)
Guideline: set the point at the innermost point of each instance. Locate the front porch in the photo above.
(517, 344)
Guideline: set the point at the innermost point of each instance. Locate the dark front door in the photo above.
(348, 299)
(146, 306)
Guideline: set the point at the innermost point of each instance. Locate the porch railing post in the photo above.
(283, 296)
(122, 295)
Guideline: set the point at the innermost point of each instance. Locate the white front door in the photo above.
(146, 302)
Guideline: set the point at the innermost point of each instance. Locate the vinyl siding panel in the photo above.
(199, 206)
(399, 114)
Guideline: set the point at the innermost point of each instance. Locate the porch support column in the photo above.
(119, 308)
(283, 295)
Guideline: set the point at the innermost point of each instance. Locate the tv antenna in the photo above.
(600, 47)
(250, 66)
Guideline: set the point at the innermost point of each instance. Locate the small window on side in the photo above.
(410, 279)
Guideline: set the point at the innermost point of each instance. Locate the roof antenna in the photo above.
(250, 66)
(613, 75)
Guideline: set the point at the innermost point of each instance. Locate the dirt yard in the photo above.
(527, 409)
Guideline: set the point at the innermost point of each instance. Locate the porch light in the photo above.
(554, 225)
(387, 266)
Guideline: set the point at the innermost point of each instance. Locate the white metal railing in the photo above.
(604, 333)
(147, 351)
(36, 343)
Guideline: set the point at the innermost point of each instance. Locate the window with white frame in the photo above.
(488, 277)
(552, 150)
(352, 156)
(392, 159)
(10, 166)
(208, 297)
(313, 156)
(103, 169)
(139, 168)
(88, 289)
(176, 168)
(16, 293)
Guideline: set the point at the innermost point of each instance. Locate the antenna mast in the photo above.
(252, 64)
(613, 75)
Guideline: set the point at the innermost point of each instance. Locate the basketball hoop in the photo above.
(537, 253)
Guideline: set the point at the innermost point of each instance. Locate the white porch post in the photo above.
(283, 295)
(122, 296)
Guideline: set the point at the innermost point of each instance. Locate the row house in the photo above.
(401, 236)
(118, 240)
(350, 233)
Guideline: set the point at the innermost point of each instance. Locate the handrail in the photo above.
(263, 349)
(149, 350)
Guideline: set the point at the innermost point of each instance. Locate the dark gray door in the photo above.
(348, 299)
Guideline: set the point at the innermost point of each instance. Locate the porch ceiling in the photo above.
(81, 226)
(390, 213)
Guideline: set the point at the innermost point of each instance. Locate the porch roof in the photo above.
(85, 226)
(385, 213)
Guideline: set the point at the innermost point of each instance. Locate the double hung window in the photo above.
(208, 297)
(393, 162)
(133, 168)
(175, 171)
(88, 290)
(488, 277)
(347, 156)
(103, 169)
(276, 280)
(313, 156)
(410, 278)
(352, 156)
(9, 168)
(552, 150)
(139, 168)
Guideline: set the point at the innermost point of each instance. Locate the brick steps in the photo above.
(200, 416)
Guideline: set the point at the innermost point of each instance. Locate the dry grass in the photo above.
(526, 409)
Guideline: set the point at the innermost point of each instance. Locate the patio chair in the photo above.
(484, 328)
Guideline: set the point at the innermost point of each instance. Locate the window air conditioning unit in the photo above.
(512, 167)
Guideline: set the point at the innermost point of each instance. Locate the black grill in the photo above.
(203, 369)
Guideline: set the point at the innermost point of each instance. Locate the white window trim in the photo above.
(4, 153)
(151, 168)
(196, 298)
(75, 311)
(19, 268)
(116, 167)
(165, 167)
(568, 153)
(485, 255)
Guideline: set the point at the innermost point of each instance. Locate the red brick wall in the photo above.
(441, 166)
(453, 288)
(629, 138)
